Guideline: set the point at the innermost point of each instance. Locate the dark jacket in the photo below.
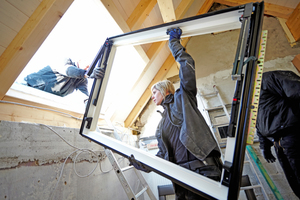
(61, 84)
(182, 110)
(279, 105)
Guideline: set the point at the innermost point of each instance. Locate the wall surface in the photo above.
(31, 161)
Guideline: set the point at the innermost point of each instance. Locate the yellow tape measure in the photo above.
(257, 85)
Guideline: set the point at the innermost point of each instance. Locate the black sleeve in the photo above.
(187, 66)
(264, 142)
(283, 83)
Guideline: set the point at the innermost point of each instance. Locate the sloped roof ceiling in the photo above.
(25, 25)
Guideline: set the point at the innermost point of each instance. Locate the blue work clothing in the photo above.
(59, 83)
(278, 121)
(183, 135)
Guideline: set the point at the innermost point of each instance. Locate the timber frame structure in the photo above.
(25, 25)
(248, 18)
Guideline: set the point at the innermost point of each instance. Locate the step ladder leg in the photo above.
(145, 184)
(257, 177)
(124, 182)
(120, 175)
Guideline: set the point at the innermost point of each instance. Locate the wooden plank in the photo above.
(296, 62)
(205, 7)
(6, 35)
(2, 49)
(19, 113)
(18, 110)
(287, 32)
(140, 13)
(180, 11)
(182, 8)
(278, 11)
(270, 9)
(154, 49)
(26, 7)
(167, 10)
(12, 17)
(147, 94)
(121, 9)
(293, 23)
(28, 40)
(127, 6)
(114, 12)
(152, 53)
(291, 3)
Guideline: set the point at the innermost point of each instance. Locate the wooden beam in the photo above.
(16, 111)
(205, 7)
(152, 53)
(270, 9)
(296, 62)
(28, 40)
(287, 32)
(167, 10)
(179, 12)
(147, 94)
(154, 49)
(293, 23)
(182, 8)
(158, 46)
(19, 110)
(114, 12)
(140, 13)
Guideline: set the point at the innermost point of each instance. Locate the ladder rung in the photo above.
(119, 171)
(126, 168)
(214, 108)
(250, 187)
(209, 94)
(141, 192)
(223, 124)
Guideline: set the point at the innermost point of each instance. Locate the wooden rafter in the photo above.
(114, 12)
(20, 110)
(140, 13)
(167, 10)
(49, 12)
(28, 40)
(183, 8)
(147, 94)
(205, 7)
(293, 23)
(180, 12)
(270, 9)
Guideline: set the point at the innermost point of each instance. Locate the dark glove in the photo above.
(98, 73)
(268, 155)
(174, 33)
(138, 165)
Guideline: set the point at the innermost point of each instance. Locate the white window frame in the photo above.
(227, 19)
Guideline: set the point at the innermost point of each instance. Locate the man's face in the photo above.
(157, 97)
